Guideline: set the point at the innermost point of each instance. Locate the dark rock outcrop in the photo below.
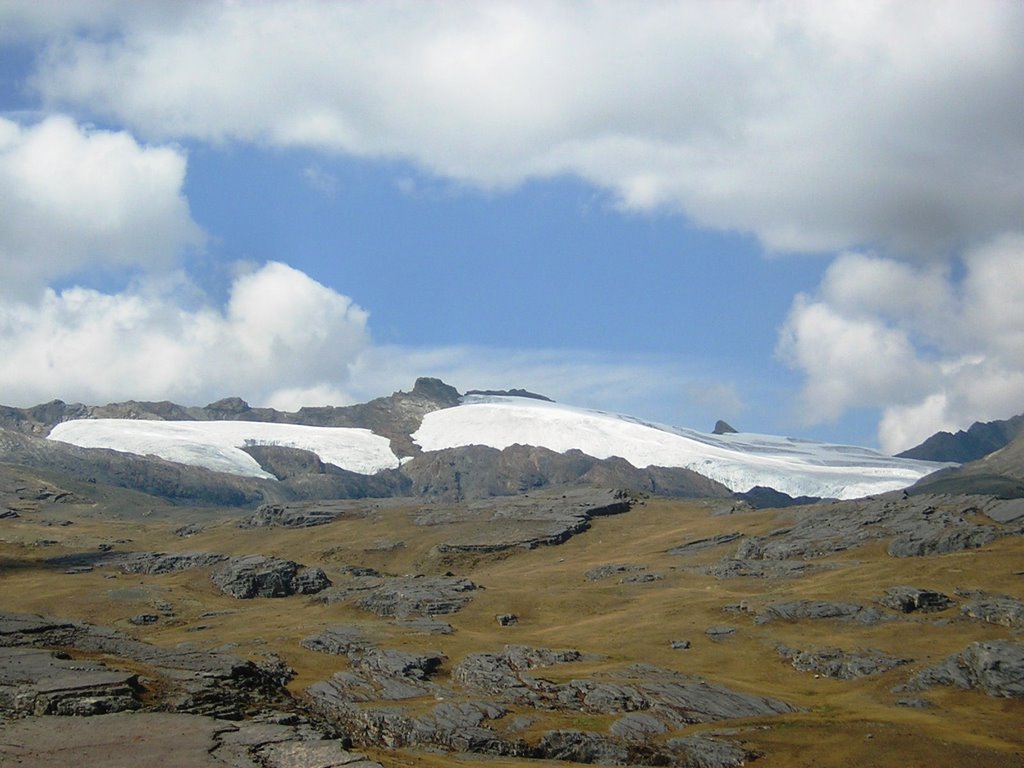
(528, 521)
(723, 428)
(916, 526)
(189, 680)
(259, 576)
(907, 599)
(509, 393)
(302, 514)
(480, 472)
(40, 682)
(762, 497)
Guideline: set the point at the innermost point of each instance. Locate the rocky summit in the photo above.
(481, 605)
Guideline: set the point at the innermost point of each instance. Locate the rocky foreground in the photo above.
(577, 625)
(499, 607)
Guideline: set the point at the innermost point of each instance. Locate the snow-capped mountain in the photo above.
(739, 461)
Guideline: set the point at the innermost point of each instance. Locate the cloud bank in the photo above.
(281, 336)
(886, 133)
(814, 126)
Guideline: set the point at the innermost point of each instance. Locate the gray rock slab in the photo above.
(637, 726)
(406, 596)
(706, 752)
(1005, 510)
(39, 682)
(731, 568)
(426, 626)
(154, 740)
(839, 664)
(528, 520)
(163, 562)
(995, 667)
(340, 640)
(917, 526)
(169, 740)
(796, 610)
(995, 609)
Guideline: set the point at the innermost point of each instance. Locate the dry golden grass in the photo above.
(843, 722)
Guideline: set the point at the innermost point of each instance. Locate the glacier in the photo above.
(217, 445)
(739, 461)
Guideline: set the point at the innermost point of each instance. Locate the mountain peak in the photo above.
(436, 390)
(723, 428)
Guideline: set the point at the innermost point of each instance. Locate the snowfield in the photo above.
(738, 461)
(217, 445)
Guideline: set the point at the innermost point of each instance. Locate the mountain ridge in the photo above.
(977, 441)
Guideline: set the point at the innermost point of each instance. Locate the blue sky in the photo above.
(803, 218)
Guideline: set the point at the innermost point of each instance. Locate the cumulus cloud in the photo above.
(280, 335)
(814, 126)
(933, 348)
(76, 198)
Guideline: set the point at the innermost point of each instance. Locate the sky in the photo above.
(804, 218)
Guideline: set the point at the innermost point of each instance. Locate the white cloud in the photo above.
(815, 126)
(76, 198)
(933, 350)
(280, 332)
